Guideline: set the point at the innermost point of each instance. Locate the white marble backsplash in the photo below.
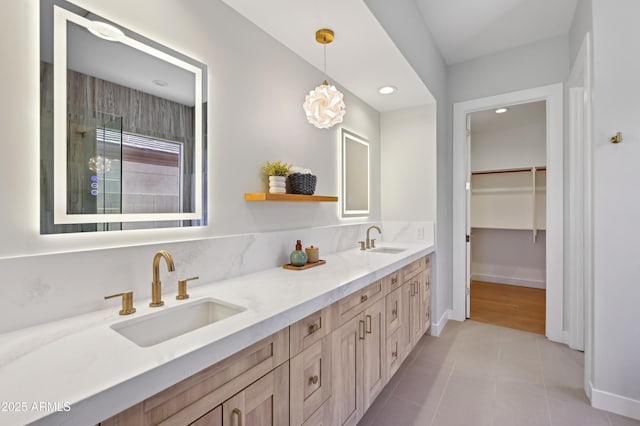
(44, 288)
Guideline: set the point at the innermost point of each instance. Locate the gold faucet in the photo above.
(156, 288)
(371, 243)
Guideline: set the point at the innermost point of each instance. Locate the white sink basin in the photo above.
(389, 250)
(175, 321)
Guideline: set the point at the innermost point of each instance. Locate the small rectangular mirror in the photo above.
(355, 175)
(123, 122)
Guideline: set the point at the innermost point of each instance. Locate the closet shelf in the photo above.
(514, 190)
(496, 171)
(506, 228)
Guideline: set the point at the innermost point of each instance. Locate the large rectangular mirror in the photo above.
(355, 175)
(123, 124)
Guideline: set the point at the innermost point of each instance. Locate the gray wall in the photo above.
(536, 64)
(582, 23)
(403, 22)
(256, 90)
(616, 66)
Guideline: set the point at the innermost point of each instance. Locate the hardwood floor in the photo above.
(510, 306)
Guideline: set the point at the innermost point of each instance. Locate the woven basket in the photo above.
(302, 183)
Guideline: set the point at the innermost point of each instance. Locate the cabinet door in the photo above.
(374, 352)
(404, 332)
(212, 418)
(393, 309)
(263, 403)
(311, 379)
(425, 296)
(346, 360)
(415, 319)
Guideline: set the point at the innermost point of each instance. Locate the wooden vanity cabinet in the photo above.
(324, 370)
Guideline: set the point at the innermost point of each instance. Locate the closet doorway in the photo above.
(507, 214)
(553, 235)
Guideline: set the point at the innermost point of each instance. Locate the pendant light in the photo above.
(324, 105)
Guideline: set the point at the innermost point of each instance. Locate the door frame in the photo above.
(553, 95)
(580, 242)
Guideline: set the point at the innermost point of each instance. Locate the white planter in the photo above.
(277, 184)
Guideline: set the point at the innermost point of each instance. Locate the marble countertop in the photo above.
(79, 371)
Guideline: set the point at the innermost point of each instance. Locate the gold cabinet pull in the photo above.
(394, 280)
(394, 311)
(239, 414)
(313, 328)
(182, 288)
(394, 354)
(368, 328)
(127, 302)
(313, 380)
(361, 329)
(363, 298)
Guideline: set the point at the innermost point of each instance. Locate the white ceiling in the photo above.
(362, 58)
(467, 29)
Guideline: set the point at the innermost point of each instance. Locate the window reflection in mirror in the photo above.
(355, 175)
(123, 124)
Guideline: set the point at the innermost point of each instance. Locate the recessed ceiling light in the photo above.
(160, 83)
(386, 90)
(501, 110)
(105, 31)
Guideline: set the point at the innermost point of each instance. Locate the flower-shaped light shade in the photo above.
(324, 106)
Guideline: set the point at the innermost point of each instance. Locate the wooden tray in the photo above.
(305, 266)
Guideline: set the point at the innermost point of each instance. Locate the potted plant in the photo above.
(277, 173)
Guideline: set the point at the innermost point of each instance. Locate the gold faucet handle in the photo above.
(373, 243)
(182, 288)
(362, 245)
(127, 302)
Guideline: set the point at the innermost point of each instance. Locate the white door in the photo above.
(468, 219)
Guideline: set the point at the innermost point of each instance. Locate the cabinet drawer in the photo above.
(188, 400)
(393, 302)
(311, 329)
(391, 281)
(413, 268)
(352, 305)
(310, 380)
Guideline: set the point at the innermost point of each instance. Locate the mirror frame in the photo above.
(348, 136)
(61, 17)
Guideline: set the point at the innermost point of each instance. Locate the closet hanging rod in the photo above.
(491, 172)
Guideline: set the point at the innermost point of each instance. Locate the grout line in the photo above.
(544, 383)
(435, 414)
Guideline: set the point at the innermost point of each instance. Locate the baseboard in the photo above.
(437, 327)
(520, 282)
(615, 403)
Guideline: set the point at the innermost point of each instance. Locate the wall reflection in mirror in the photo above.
(355, 175)
(123, 127)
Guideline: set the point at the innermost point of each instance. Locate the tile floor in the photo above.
(481, 374)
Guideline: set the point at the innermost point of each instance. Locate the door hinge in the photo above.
(468, 238)
(468, 291)
(468, 132)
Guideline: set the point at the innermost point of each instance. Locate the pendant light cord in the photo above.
(324, 67)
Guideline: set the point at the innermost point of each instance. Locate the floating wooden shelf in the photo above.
(265, 196)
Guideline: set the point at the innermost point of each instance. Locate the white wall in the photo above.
(402, 20)
(408, 169)
(533, 65)
(507, 256)
(616, 37)
(582, 23)
(256, 89)
(515, 139)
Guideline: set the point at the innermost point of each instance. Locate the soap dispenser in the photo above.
(298, 256)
